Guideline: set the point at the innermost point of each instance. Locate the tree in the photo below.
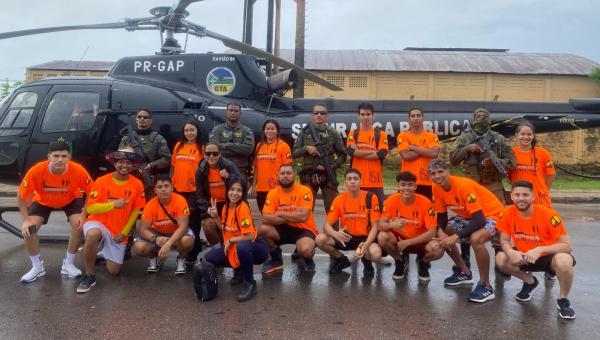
(6, 87)
(595, 74)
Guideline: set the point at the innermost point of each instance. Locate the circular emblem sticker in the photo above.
(220, 81)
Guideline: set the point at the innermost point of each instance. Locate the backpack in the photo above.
(205, 281)
(377, 135)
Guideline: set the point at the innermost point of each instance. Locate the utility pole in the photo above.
(270, 34)
(248, 15)
(299, 51)
(277, 33)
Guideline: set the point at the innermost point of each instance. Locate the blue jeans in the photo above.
(249, 254)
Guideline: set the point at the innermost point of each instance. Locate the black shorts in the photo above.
(350, 245)
(543, 264)
(289, 234)
(261, 198)
(74, 207)
(424, 190)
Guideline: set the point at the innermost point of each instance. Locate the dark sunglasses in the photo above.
(211, 153)
(144, 117)
(320, 113)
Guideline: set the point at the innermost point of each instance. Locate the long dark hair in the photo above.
(183, 140)
(263, 138)
(244, 184)
(533, 141)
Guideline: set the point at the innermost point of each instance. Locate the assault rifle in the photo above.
(487, 152)
(323, 151)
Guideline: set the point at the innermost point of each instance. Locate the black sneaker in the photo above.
(550, 275)
(368, 269)
(527, 290)
(400, 271)
(86, 284)
(564, 309)
(237, 277)
(309, 265)
(247, 292)
(340, 264)
(424, 271)
(295, 255)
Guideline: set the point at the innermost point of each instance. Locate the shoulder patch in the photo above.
(288, 155)
(471, 197)
(430, 212)
(267, 202)
(94, 194)
(376, 208)
(385, 141)
(436, 139)
(400, 139)
(350, 138)
(186, 211)
(501, 214)
(549, 164)
(88, 180)
(246, 222)
(306, 197)
(555, 221)
(24, 183)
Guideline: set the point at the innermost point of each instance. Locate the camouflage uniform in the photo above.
(336, 153)
(155, 152)
(236, 144)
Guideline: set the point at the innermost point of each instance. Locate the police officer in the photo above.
(236, 141)
(313, 173)
(478, 167)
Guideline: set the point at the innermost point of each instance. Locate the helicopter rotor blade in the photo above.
(240, 46)
(180, 7)
(129, 24)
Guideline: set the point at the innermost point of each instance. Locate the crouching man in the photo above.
(358, 213)
(165, 226)
(540, 243)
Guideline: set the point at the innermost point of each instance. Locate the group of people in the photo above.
(431, 214)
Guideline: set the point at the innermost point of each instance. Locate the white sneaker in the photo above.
(33, 274)
(153, 265)
(70, 270)
(180, 270)
(387, 260)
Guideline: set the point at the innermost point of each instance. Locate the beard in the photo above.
(523, 206)
(286, 184)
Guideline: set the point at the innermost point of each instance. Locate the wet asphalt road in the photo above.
(292, 304)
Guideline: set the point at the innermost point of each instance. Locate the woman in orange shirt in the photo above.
(242, 248)
(534, 164)
(187, 154)
(271, 153)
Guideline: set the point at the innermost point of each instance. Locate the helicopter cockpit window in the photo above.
(71, 111)
(20, 111)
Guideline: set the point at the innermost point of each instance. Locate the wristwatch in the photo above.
(153, 239)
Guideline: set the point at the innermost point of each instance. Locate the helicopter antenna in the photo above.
(83, 55)
(186, 40)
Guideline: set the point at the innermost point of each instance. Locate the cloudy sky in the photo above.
(550, 26)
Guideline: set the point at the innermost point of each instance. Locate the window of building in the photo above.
(308, 83)
(71, 111)
(336, 80)
(20, 111)
(357, 81)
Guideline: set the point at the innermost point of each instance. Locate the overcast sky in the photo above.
(549, 26)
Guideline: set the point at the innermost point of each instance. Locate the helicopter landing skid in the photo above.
(17, 232)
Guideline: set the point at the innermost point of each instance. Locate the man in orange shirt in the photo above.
(540, 243)
(164, 226)
(113, 206)
(288, 219)
(417, 148)
(407, 226)
(358, 214)
(57, 183)
(477, 211)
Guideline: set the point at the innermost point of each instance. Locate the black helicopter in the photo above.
(93, 112)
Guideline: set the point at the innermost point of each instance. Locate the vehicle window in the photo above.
(71, 111)
(20, 111)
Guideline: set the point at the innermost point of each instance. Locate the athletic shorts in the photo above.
(155, 246)
(350, 245)
(111, 250)
(543, 264)
(418, 248)
(74, 207)
(459, 223)
(289, 234)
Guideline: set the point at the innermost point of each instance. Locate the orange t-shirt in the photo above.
(157, 217)
(353, 213)
(185, 161)
(300, 196)
(55, 191)
(105, 190)
(417, 167)
(237, 221)
(543, 228)
(534, 169)
(370, 169)
(267, 161)
(418, 217)
(216, 185)
(466, 197)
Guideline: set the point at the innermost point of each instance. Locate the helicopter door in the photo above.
(70, 113)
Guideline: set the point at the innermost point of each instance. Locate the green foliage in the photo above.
(595, 74)
(6, 87)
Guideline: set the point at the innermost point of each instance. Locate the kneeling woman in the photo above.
(241, 247)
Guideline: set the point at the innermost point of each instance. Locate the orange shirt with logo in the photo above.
(185, 161)
(55, 191)
(418, 217)
(237, 221)
(417, 167)
(370, 169)
(105, 190)
(534, 166)
(268, 159)
(216, 185)
(157, 217)
(466, 197)
(300, 196)
(543, 228)
(353, 213)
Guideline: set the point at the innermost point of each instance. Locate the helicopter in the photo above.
(93, 113)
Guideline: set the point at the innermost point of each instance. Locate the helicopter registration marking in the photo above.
(160, 66)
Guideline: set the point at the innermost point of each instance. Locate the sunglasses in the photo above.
(144, 117)
(211, 153)
(320, 113)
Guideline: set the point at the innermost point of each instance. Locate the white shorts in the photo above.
(111, 250)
